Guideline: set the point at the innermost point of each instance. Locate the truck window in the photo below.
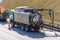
(31, 11)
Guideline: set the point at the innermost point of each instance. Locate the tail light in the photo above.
(32, 29)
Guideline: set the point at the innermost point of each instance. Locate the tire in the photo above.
(22, 27)
(27, 29)
(37, 28)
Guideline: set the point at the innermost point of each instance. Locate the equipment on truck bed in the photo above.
(29, 19)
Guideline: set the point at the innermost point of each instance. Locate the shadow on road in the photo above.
(24, 33)
(3, 22)
(29, 34)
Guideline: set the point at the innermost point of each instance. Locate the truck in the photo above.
(28, 19)
(3, 13)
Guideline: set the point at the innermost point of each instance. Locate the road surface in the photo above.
(17, 34)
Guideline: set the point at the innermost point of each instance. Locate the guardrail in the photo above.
(56, 27)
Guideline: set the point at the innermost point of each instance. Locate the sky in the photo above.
(1, 1)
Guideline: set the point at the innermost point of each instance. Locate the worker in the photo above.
(8, 23)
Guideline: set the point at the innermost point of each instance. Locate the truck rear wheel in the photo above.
(22, 27)
(27, 29)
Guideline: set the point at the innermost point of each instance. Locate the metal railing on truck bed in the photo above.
(56, 27)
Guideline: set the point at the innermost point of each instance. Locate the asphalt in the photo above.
(17, 34)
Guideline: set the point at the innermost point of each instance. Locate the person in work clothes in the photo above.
(8, 23)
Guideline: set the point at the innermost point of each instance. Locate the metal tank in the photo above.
(21, 15)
